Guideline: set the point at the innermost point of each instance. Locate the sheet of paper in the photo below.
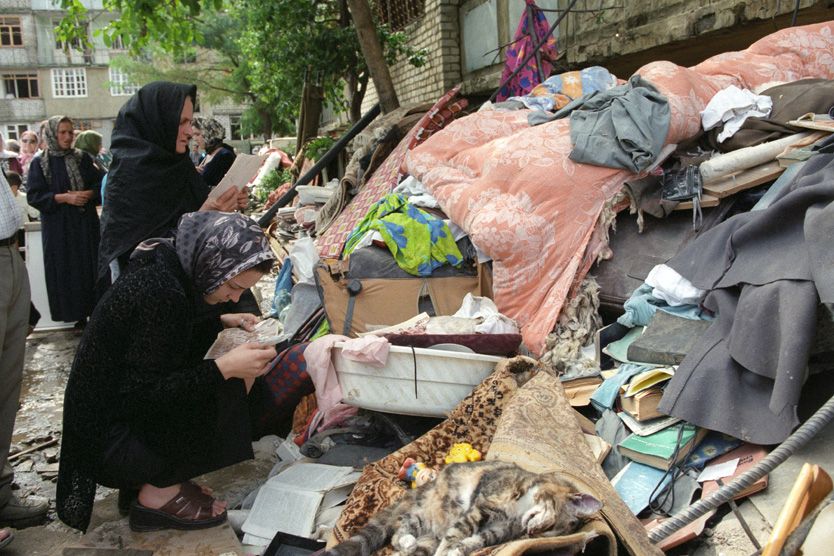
(313, 476)
(718, 471)
(240, 174)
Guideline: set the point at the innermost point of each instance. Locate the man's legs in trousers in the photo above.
(14, 320)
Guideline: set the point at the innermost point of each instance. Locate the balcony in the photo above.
(22, 110)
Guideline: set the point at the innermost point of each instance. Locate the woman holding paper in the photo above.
(209, 134)
(143, 411)
(152, 181)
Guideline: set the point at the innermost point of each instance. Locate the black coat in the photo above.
(140, 366)
(70, 238)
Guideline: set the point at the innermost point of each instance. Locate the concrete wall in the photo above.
(625, 36)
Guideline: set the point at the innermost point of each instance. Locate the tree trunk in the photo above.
(308, 120)
(266, 118)
(360, 10)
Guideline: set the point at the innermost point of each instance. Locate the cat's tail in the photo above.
(376, 534)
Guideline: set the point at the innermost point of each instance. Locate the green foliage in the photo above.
(258, 52)
(272, 181)
(318, 147)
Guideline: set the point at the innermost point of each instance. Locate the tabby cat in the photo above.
(470, 506)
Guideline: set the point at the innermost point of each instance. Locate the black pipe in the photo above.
(328, 157)
(534, 51)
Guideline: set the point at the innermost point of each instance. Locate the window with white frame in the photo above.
(14, 131)
(20, 84)
(70, 82)
(11, 31)
(120, 84)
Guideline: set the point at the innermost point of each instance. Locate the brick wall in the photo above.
(437, 32)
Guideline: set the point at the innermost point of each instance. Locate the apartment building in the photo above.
(42, 76)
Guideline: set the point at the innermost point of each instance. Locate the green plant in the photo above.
(318, 146)
(272, 181)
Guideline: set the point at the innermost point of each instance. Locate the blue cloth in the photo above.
(640, 308)
(594, 78)
(603, 397)
(283, 287)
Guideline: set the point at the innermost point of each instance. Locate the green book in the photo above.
(658, 449)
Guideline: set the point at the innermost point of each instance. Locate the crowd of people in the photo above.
(149, 284)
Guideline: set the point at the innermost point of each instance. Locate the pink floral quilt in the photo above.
(535, 212)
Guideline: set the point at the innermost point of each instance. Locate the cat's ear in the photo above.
(584, 504)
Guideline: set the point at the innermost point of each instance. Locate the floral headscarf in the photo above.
(72, 156)
(214, 247)
(213, 131)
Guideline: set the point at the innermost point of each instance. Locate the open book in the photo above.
(291, 501)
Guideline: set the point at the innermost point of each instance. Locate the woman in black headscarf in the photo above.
(209, 135)
(65, 187)
(152, 181)
(143, 411)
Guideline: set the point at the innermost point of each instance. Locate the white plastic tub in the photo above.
(312, 194)
(443, 379)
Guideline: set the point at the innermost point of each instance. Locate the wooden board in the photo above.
(706, 201)
(740, 181)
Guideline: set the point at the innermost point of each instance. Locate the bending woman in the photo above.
(209, 135)
(143, 411)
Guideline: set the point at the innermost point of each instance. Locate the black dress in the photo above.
(216, 168)
(70, 238)
(139, 372)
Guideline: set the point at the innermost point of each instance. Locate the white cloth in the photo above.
(673, 288)
(11, 215)
(475, 307)
(731, 107)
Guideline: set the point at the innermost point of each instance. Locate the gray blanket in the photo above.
(767, 272)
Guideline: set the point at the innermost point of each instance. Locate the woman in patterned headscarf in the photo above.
(209, 134)
(65, 186)
(143, 411)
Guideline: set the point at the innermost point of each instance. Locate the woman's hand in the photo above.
(225, 203)
(75, 198)
(243, 198)
(247, 321)
(248, 361)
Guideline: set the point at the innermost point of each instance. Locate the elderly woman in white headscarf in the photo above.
(144, 412)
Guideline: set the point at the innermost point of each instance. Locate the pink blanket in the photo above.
(535, 212)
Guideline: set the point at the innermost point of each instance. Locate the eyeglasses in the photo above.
(29, 140)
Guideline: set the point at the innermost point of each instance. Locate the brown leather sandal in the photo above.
(189, 510)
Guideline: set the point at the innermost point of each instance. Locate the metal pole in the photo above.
(534, 51)
(328, 157)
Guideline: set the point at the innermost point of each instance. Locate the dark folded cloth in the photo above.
(486, 344)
